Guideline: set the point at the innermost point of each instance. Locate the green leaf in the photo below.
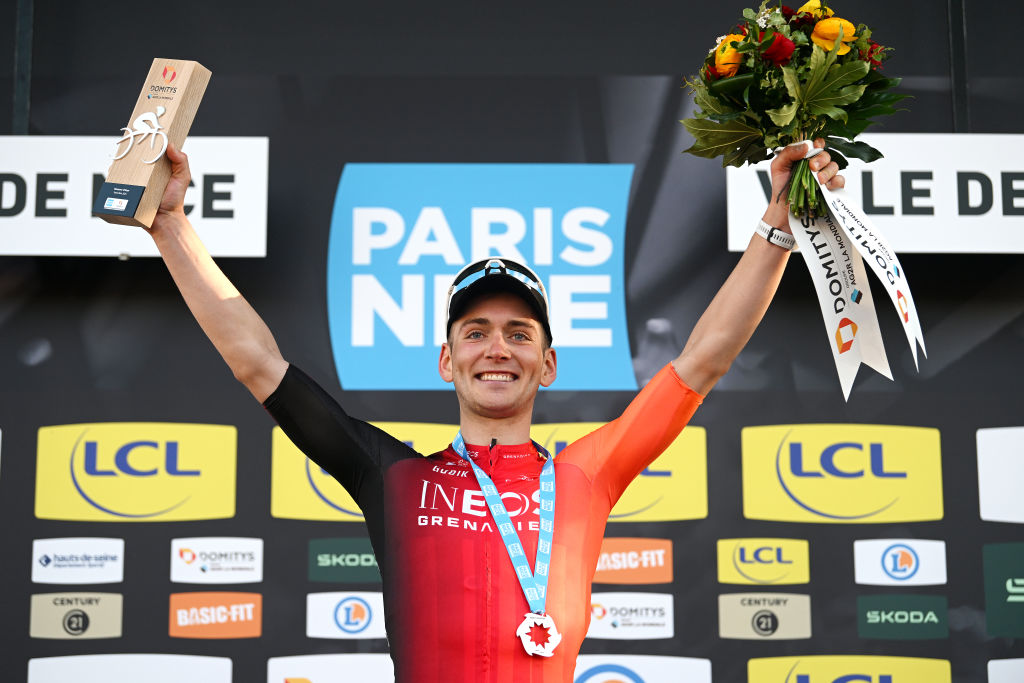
(785, 114)
(733, 85)
(841, 161)
(713, 139)
(711, 105)
(857, 150)
(792, 83)
(828, 101)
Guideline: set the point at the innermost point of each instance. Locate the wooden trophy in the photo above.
(163, 114)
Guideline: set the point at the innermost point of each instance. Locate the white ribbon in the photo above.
(830, 245)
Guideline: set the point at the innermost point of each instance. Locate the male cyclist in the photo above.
(488, 548)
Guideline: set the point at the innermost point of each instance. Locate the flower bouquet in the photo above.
(788, 75)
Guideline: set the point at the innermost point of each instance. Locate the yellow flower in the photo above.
(827, 30)
(727, 59)
(815, 8)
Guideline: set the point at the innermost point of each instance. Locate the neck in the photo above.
(480, 431)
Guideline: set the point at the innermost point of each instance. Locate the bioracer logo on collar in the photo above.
(401, 232)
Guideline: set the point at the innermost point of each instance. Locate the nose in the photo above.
(498, 348)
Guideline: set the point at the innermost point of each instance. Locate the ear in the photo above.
(444, 363)
(550, 368)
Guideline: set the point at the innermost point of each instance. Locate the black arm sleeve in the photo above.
(355, 453)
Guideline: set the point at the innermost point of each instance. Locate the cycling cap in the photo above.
(497, 275)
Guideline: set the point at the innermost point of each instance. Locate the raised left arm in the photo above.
(736, 310)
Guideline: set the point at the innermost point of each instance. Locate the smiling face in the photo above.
(497, 356)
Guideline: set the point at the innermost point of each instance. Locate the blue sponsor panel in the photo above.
(400, 233)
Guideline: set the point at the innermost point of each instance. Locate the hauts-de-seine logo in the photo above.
(842, 473)
(135, 472)
(401, 232)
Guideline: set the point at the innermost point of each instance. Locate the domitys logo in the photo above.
(845, 334)
(169, 73)
(187, 555)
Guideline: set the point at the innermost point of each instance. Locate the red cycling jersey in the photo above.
(452, 599)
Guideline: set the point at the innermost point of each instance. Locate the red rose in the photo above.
(779, 52)
(873, 55)
(787, 12)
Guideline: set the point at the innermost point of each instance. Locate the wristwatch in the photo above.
(775, 236)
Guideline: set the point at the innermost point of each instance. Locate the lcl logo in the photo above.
(135, 471)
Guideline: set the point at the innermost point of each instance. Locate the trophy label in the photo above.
(163, 114)
(118, 198)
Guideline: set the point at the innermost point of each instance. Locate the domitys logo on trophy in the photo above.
(163, 114)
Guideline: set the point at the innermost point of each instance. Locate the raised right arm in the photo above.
(239, 334)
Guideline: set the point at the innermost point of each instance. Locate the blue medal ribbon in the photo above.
(534, 583)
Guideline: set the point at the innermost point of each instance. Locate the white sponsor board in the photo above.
(129, 669)
(1005, 670)
(631, 616)
(345, 615)
(78, 560)
(1000, 472)
(899, 562)
(331, 669)
(931, 193)
(48, 184)
(216, 559)
(641, 669)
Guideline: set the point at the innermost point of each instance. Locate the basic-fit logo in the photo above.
(216, 615)
(902, 617)
(342, 560)
(763, 561)
(634, 561)
(400, 233)
(842, 473)
(848, 669)
(345, 615)
(845, 334)
(76, 616)
(1004, 589)
(135, 472)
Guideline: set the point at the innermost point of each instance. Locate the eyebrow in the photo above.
(515, 322)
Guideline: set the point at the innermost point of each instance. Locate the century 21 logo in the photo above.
(842, 473)
(135, 472)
